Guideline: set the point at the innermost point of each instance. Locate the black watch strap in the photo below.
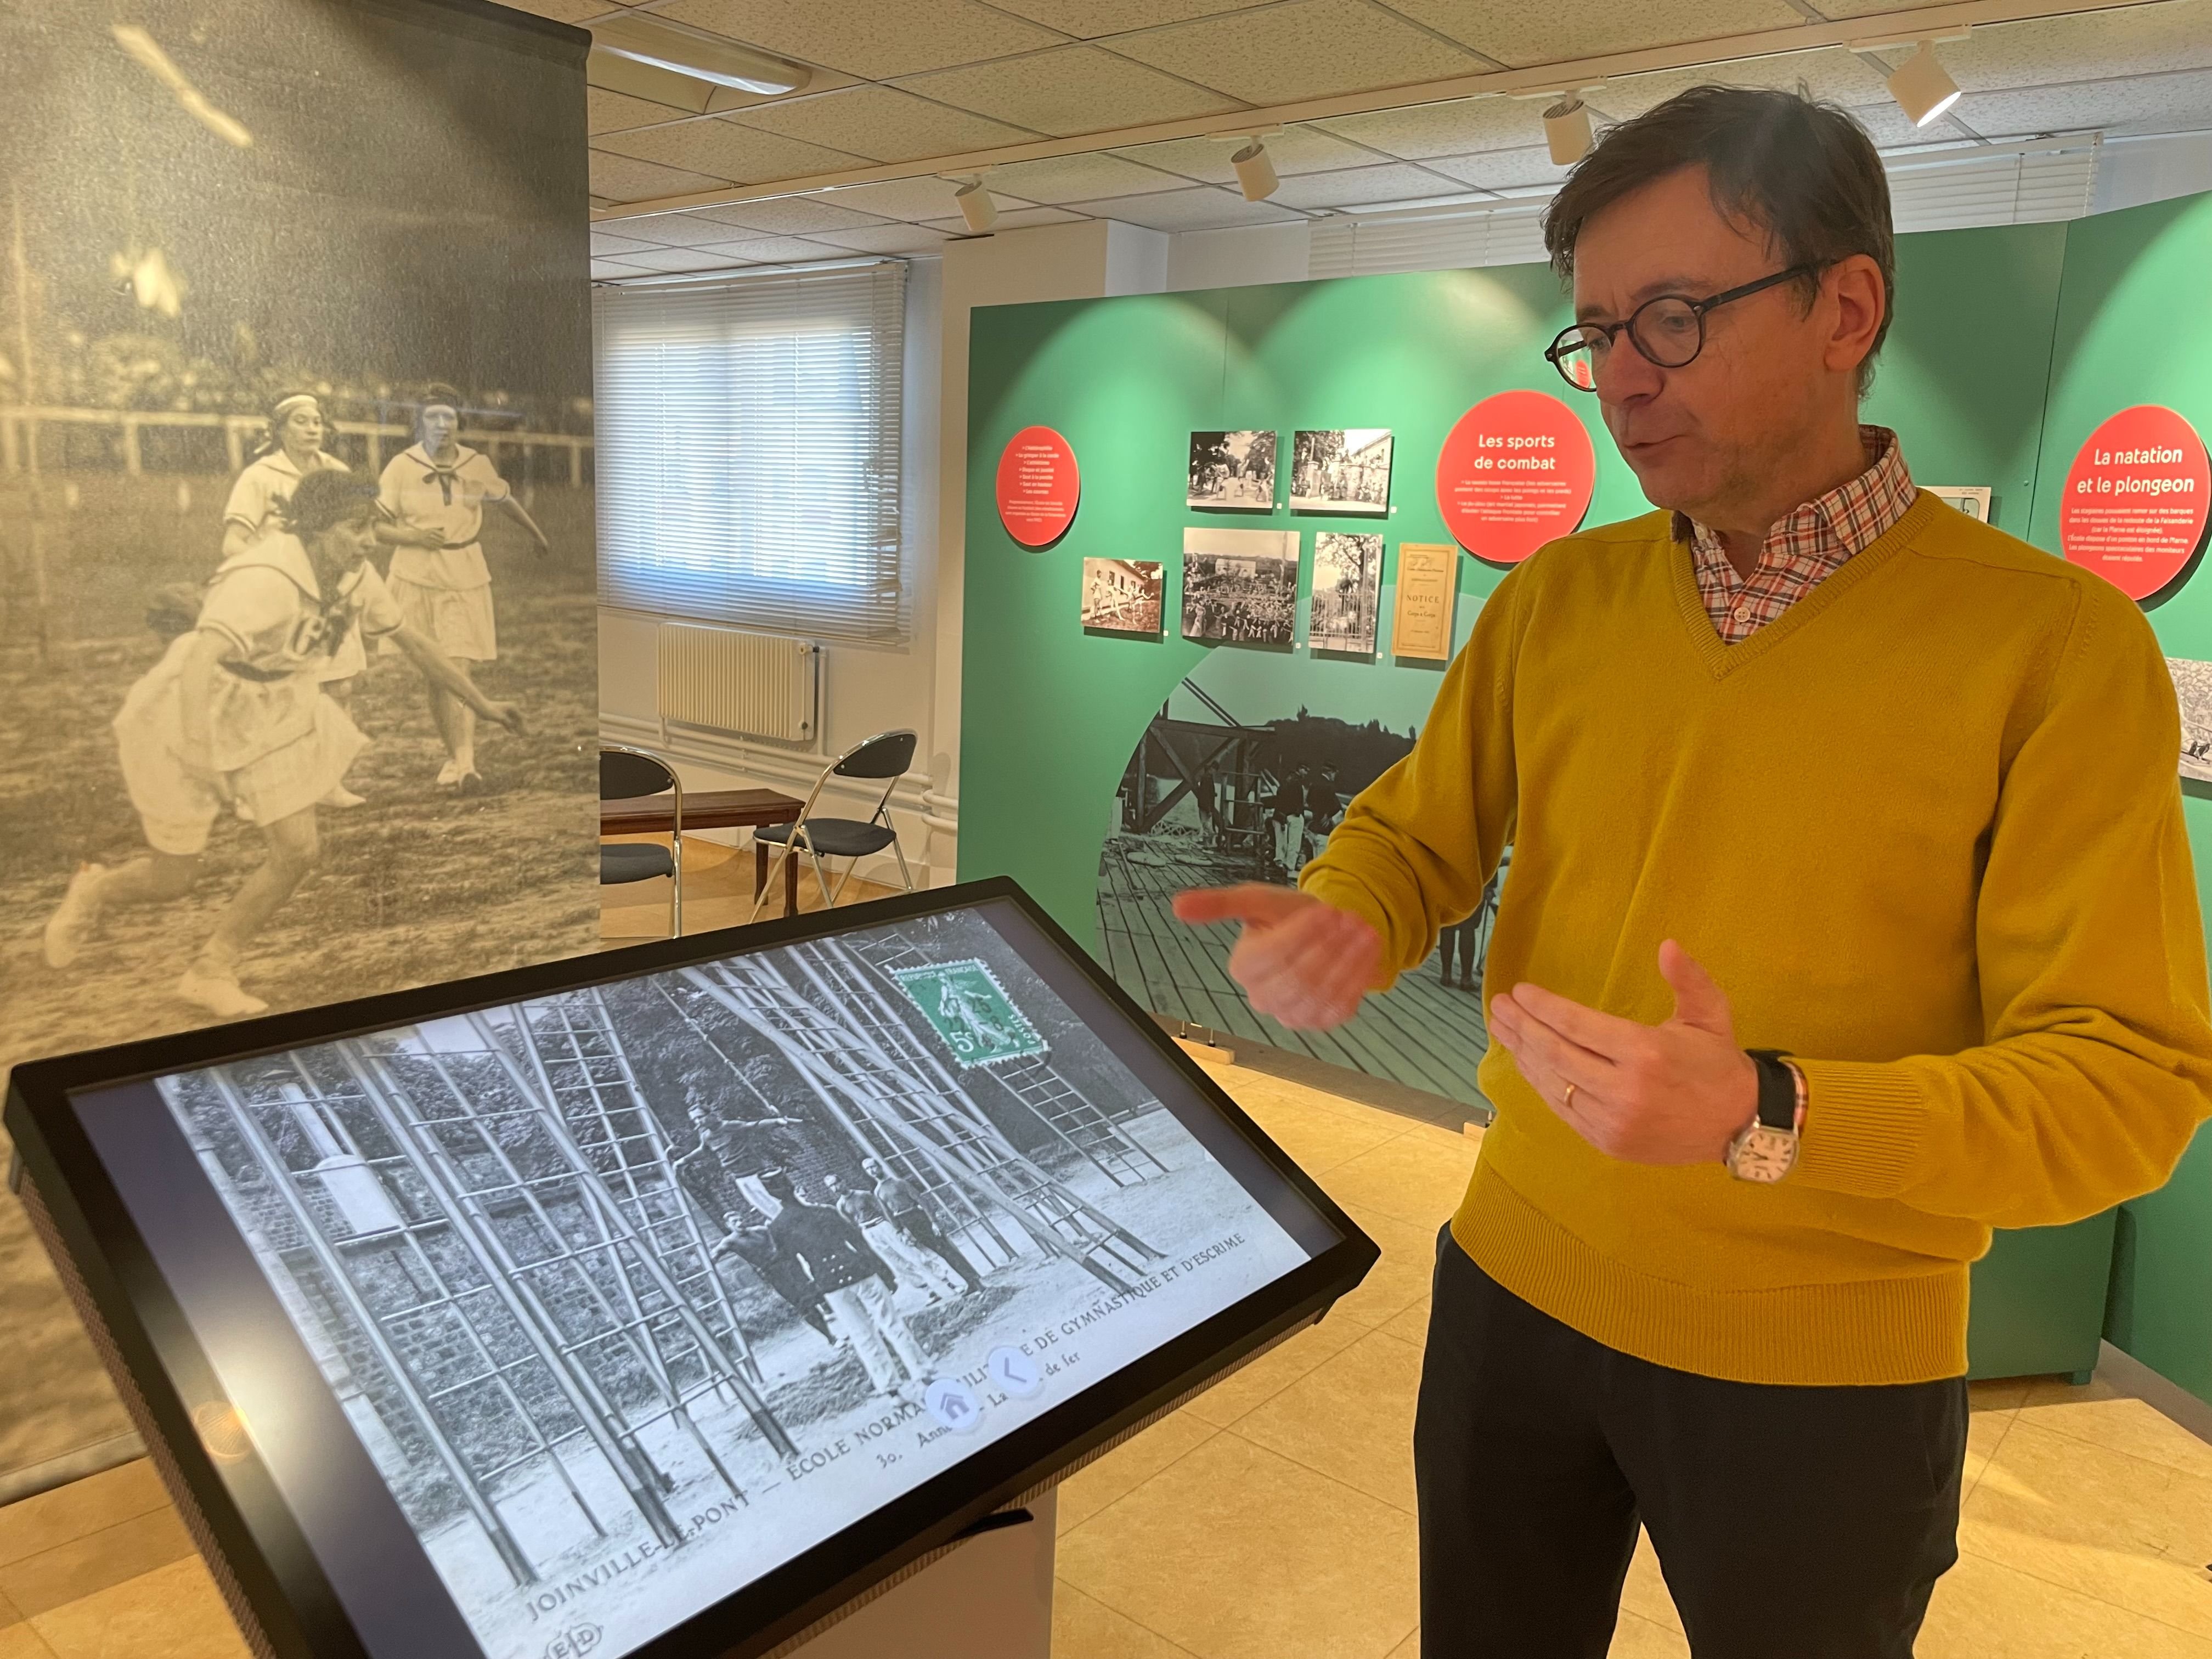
(1778, 1089)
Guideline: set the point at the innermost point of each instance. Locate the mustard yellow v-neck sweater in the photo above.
(1926, 830)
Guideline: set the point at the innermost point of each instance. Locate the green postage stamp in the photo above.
(966, 1005)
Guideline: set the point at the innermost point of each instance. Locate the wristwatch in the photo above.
(1766, 1150)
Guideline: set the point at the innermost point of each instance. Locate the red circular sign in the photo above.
(1038, 486)
(1516, 471)
(2135, 501)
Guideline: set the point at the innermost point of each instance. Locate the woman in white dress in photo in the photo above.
(434, 494)
(234, 718)
(290, 450)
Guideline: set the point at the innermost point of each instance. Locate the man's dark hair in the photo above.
(1804, 172)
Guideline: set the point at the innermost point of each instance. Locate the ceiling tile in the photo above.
(617, 112)
(785, 216)
(883, 124)
(1201, 207)
(1075, 89)
(694, 228)
(769, 250)
(1075, 177)
(909, 199)
(1009, 219)
(1357, 187)
(602, 270)
(606, 246)
(1088, 19)
(1500, 169)
(2137, 40)
(888, 239)
(1832, 73)
(1295, 150)
(680, 259)
(619, 179)
(2160, 103)
(1306, 49)
(873, 38)
(730, 151)
(1558, 30)
(1458, 128)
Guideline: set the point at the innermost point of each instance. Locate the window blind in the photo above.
(748, 451)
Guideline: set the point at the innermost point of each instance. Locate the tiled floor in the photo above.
(1272, 1518)
(718, 892)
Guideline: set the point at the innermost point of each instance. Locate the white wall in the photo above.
(917, 685)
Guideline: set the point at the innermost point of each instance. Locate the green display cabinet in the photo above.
(2039, 1301)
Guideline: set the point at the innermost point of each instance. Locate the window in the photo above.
(748, 462)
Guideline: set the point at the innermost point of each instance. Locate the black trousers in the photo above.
(1791, 1522)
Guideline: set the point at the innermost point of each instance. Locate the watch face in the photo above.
(1764, 1154)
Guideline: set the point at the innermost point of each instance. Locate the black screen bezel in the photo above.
(261, 1542)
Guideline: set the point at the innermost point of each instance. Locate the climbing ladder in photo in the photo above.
(577, 1061)
(902, 1108)
(1037, 1083)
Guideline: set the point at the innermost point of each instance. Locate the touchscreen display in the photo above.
(632, 1292)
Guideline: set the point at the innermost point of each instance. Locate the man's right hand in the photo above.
(1301, 961)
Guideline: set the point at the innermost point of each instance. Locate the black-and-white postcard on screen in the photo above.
(1341, 470)
(1240, 585)
(633, 1293)
(1233, 470)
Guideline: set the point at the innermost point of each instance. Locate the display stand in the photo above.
(990, 1598)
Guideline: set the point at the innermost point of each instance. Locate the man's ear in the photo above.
(1862, 302)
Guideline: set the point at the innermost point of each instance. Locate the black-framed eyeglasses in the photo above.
(1668, 329)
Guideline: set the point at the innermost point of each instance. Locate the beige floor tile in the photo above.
(1350, 1418)
(1411, 1326)
(174, 1611)
(1237, 1553)
(1229, 1399)
(1637, 1637)
(2004, 1393)
(1985, 1433)
(1240, 1080)
(90, 1505)
(1400, 1278)
(1130, 1464)
(1317, 1140)
(1083, 1628)
(2123, 1423)
(1981, 1610)
(2096, 1522)
(1408, 1649)
(87, 1565)
(1413, 1179)
(1644, 1594)
(8, 1617)
(23, 1642)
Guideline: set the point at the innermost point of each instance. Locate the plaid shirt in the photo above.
(1804, 548)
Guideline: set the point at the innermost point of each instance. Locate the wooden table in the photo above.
(713, 809)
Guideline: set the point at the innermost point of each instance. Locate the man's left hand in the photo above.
(1677, 1092)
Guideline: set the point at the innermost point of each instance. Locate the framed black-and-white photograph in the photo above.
(2193, 690)
(1122, 596)
(1342, 470)
(1233, 470)
(1972, 500)
(1240, 585)
(1347, 590)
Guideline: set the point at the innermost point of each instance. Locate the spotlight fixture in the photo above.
(977, 206)
(1255, 172)
(1567, 130)
(1924, 88)
(645, 38)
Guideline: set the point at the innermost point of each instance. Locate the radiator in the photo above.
(757, 686)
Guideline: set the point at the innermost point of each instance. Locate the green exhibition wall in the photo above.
(2133, 329)
(1989, 321)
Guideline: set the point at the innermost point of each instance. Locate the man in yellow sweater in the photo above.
(1850, 915)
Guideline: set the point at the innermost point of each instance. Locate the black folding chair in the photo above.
(624, 773)
(886, 755)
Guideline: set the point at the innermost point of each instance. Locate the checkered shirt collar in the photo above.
(1807, 545)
